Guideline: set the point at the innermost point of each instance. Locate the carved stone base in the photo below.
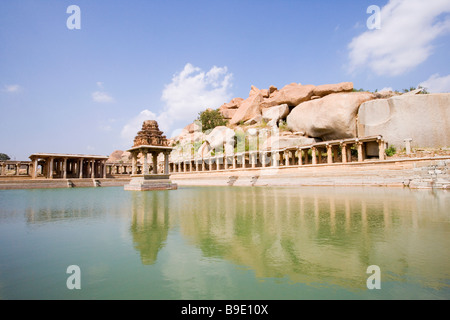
(150, 182)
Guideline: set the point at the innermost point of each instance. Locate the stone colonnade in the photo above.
(12, 168)
(154, 151)
(65, 166)
(328, 152)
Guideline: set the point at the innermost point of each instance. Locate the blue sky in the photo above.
(88, 90)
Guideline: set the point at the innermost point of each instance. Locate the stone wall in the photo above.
(424, 118)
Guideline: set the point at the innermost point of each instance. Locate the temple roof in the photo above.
(150, 135)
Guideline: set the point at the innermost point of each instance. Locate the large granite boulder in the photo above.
(275, 113)
(327, 89)
(115, 156)
(229, 109)
(219, 137)
(279, 142)
(424, 118)
(329, 118)
(292, 95)
(248, 109)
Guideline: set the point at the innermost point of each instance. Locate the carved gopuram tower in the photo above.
(150, 140)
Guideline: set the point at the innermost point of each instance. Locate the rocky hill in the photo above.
(300, 115)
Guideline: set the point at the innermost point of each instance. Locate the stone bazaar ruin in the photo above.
(299, 126)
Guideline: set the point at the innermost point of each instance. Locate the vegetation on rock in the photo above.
(211, 119)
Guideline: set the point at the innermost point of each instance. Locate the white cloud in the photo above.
(408, 28)
(386, 89)
(437, 84)
(134, 125)
(102, 97)
(100, 84)
(13, 88)
(191, 91)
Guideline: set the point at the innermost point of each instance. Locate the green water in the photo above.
(225, 243)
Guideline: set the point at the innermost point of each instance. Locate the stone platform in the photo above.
(148, 182)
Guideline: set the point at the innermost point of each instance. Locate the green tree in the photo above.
(211, 119)
(4, 156)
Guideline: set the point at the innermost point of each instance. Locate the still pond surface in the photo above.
(225, 243)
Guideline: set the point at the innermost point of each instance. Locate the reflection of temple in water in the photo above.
(150, 223)
(314, 235)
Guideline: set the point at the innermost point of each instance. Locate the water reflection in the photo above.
(305, 235)
(150, 223)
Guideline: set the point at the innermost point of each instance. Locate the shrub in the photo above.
(4, 156)
(390, 151)
(211, 119)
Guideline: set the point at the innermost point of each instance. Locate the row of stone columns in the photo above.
(145, 168)
(56, 167)
(17, 165)
(310, 155)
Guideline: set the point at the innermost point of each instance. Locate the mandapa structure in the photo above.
(150, 140)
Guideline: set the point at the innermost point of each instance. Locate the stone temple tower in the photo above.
(150, 140)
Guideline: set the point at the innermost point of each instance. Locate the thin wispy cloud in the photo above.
(13, 88)
(437, 84)
(405, 40)
(102, 97)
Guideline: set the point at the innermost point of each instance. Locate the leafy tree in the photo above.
(4, 156)
(211, 119)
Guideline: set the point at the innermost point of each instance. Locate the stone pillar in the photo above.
(381, 150)
(329, 154)
(155, 162)
(263, 159)
(300, 157)
(80, 168)
(17, 168)
(104, 169)
(92, 169)
(50, 168)
(35, 168)
(210, 164)
(191, 165)
(233, 159)
(408, 146)
(203, 164)
(134, 163)
(65, 168)
(217, 163)
(344, 152)
(287, 155)
(360, 151)
(313, 155)
(2, 172)
(166, 163)
(145, 169)
(274, 158)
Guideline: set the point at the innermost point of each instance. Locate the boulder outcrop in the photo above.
(329, 118)
(275, 113)
(249, 108)
(327, 89)
(292, 95)
(424, 118)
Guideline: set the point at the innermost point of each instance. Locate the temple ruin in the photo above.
(150, 141)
